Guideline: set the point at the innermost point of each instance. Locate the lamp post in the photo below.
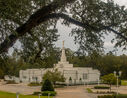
(17, 95)
(48, 95)
(117, 75)
(39, 95)
(98, 81)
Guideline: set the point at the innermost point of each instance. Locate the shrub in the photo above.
(34, 84)
(36, 93)
(47, 86)
(104, 92)
(107, 96)
(59, 86)
(45, 93)
(101, 87)
(89, 90)
(54, 76)
(11, 82)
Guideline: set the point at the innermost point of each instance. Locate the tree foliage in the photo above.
(47, 86)
(54, 76)
(109, 79)
(105, 63)
(32, 20)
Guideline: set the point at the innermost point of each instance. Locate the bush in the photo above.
(59, 86)
(34, 84)
(107, 96)
(11, 82)
(89, 90)
(45, 93)
(104, 92)
(36, 93)
(47, 86)
(101, 87)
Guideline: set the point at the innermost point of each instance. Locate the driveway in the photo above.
(21, 88)
(66, 92)
(73, 92)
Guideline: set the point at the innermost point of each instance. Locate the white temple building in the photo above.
(73, 75)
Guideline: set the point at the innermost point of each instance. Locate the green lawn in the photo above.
(122, 95)
(89, 90)
(124, 82)
(113, 96)
(12, 95)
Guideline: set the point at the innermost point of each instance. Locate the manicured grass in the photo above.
(12, 95)
(89, 90)
(122, 95)
(113, 96)
(124, 82)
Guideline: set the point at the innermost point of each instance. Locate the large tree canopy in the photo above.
(36, 20)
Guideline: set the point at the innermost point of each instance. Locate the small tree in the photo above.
(109, 79)
(47, 86)
(54, 76)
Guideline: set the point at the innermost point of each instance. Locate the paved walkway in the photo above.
(26, 90)
(21, 88)
(73, 92)
(66, 92)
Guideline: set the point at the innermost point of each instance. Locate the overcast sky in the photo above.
(69, 43)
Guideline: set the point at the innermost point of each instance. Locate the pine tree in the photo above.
(47, 86)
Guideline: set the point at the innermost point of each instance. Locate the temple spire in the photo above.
(63, 43)
(63, 56)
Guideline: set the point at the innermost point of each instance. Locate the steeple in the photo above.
(63, 63)
(63, 56)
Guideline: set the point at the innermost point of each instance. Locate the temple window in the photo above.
(85, 76)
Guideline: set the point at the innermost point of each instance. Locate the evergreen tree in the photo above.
(47, 86)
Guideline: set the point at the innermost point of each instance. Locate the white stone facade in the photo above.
(12, 78)
(73, 75)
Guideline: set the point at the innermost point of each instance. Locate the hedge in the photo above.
(51, 93)
(101, 87)
(34, 84)
(105, 92)
(107, 96)
(11, 82)
(36, 93)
